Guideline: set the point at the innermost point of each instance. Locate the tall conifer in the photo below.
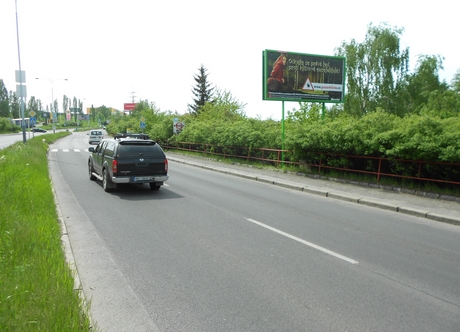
(202, 91)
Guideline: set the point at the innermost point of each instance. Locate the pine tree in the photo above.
(202, 91)
(4, 101)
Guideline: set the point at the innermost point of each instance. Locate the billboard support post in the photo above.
(282, 134)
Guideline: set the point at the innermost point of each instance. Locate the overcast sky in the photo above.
(112, 51)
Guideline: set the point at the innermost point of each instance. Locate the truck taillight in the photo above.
(166, 165)
(115, 166)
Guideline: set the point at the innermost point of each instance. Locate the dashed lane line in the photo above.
(312, 245)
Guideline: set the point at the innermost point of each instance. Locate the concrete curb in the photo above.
(442, 218)
(344, 197)
(379, 204)
(332, 194)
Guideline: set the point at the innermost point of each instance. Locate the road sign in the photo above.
(143, 125)
(178, 126)
(32, 113)
(21, 90)
(32, 120)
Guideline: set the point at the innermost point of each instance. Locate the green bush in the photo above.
(7, 127)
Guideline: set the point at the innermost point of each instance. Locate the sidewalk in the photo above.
(420, 204)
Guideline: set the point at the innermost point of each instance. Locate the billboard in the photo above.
(129, 106)
(290, 76)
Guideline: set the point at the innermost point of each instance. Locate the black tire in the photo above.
(154, 186)
(106, 181)
(90, 171)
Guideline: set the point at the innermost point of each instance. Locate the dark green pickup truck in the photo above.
(128, 159)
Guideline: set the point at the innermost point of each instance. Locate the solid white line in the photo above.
(312, 245)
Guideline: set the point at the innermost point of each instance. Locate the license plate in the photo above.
(142, 178)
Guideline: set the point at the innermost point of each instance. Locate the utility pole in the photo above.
(21, 79)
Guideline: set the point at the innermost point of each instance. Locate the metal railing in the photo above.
(419, 170)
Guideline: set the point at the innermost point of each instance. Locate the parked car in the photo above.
(128, 159)
(38, 130)
(95, 136)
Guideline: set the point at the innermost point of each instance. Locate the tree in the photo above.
(55, 108)
(375, 69)
(424, 81)
(93, 113)
(106, 111)
(4, 101)
(77, 107)
(14, 105)
(65, 103)
(202, 91)
(32, 105)
(456, 81)
(224, 105)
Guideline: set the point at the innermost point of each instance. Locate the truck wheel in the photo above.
(90, 171)
(105, 181)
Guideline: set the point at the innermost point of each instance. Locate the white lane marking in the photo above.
(68, 150)
(312, 245)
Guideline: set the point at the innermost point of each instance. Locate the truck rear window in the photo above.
(134, 150)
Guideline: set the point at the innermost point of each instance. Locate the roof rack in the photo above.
(129, 135)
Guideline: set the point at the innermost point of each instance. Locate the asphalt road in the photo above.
(8, 139)
(217, 252)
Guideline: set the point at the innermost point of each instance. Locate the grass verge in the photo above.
(36, 283)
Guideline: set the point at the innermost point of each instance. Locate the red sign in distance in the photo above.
(129, 106)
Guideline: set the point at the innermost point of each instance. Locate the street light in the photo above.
(52, 94)
(21, 80)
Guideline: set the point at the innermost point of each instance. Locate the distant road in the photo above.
(9, 139)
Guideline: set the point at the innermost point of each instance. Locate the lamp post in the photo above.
(21, 80)
(52, 96)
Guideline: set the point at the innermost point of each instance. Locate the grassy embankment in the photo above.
(36, 283)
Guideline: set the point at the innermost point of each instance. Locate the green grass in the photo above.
(36, 284)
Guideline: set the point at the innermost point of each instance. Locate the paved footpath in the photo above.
(421, 204)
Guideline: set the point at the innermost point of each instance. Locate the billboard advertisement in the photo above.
(129, 106)
(290, 76)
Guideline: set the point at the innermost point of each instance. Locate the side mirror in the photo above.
(91, 149)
